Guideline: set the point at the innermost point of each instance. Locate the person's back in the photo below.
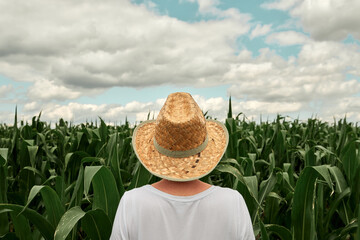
(180, 147)
(151, 214)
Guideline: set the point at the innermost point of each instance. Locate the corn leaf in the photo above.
(40, 222)
(51, 201)
(282, 232)
(68, 222)
(303, 223)
(106, 195)
(141, 177)
(21, 225)
(96, 224)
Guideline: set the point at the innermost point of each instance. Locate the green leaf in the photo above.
(264, 234)
(230, 109)
(75, 157)
(310, 158)
(4, 222)
(21, 225)
(302, 211)
(40, 222)
(272, 161)
(3, 156)
(350, 228)
(141, 177)
(231, 160)
(79, 137)
(348, 158)
(252, 183)
(116, 156)
(9, 236)
(278, 230)
(36, 172)
(51, 201)
(266, 187)
(355, 193)
(97, 225)
(339, 179)
(334, 207)
(272, 207)
(106, 195)
(342, 191)
(358, 222)
(68, 222)
(78, 189)
(32, 154)
(103, 131)
(226, 168)
(3, 178)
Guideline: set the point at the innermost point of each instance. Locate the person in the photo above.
(180, 147)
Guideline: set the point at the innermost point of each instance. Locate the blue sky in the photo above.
(121, 58)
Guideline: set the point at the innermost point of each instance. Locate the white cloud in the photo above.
(287, 38)
(31, 106)
(5, 90)
(280, 4)
(317, 74)
(102, 44)
(329, 19)
(263, 107)
(210, 7)
(324, 20)
(135, 111)
(216, 108)
(97, 45)
(49, 90)
(206, 6)
(260, 30)
(6, 117)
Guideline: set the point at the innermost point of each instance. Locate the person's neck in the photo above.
(181, 188)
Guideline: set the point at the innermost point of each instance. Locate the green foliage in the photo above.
(300, 180)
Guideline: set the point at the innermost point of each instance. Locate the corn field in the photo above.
(300, 179)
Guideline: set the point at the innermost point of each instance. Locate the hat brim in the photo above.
(180, 169)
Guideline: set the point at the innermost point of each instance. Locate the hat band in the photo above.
(181, 154)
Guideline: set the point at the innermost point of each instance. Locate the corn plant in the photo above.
(300, 179)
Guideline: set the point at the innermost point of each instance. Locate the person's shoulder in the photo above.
(230, 194)
(227, 191)
(136, 192)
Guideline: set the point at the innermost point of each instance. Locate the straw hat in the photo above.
(180, 145)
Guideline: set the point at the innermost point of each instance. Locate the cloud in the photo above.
(112, 43)
(287, 38)
(280, 5)
(78, 112)
(325, 20)
(5, 90)
(31, 107)
(329, 19)
(49, 90)
(260, 30)
(98, 45)
(210, 8)
(318, 74)
(6, 117)
(216, 107)
(134, 111)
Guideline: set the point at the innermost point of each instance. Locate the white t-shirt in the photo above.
(148, 213)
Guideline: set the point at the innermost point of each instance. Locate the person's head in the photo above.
(181, 145)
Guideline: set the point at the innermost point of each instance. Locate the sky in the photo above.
(120, 59)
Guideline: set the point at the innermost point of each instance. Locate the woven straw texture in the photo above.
(180, 126)
(180, 169)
